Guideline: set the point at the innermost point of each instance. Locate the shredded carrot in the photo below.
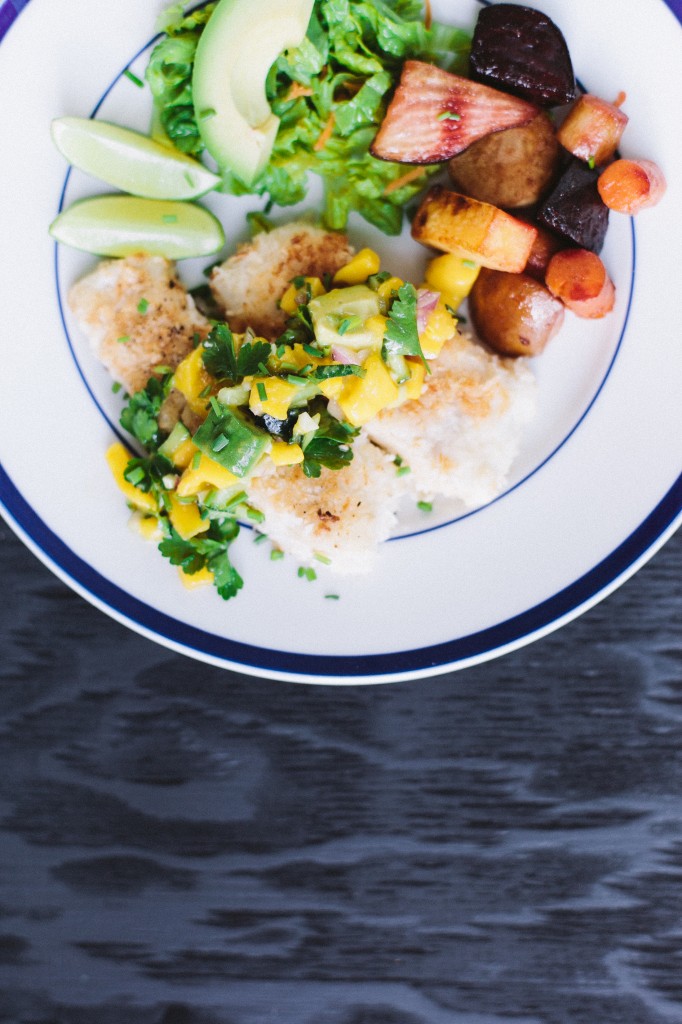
(325, 134)
(296, 90)
(404, 179)
(620, 99)
(427, 13)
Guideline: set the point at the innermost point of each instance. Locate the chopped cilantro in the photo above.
(425, 506)
(224, 363)
(276, 555)
(329, 447)
(402, 335)
(140, 416)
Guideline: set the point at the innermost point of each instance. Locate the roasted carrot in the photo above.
(628, 186)
(578, 277)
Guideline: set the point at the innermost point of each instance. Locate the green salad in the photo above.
(330, 94)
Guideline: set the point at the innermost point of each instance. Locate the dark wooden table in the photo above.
(185, 845)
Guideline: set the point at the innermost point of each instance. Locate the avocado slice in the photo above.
(236, 50)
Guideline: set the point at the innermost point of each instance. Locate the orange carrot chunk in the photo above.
(578, 277)
(628, 186)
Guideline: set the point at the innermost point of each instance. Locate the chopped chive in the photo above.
(116, 387)
(169, 218)
(403, 470)
(124, 339)
(398, 460)
(322, 558)
(220, 442)
(205, 115)
(425, 506)
(469, 263)
(332, 597)
(281, 349)
(205, 392)
(349, 323)
(196, 460)
(254, 514)
(215, 405)
(276, 555)
(262, 368)
(135, 476)
(262, 391)
(591, 162)
(162, 368)
(311, 351)
(308, 574)
(259, 538)
(133, 78)
(294, 379)
(449, 115)
(142, 306)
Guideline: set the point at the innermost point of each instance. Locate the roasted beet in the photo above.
(575, 210)
(520, 50)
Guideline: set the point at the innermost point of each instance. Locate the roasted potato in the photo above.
(511, 168)
(514, 313)
(473, 230)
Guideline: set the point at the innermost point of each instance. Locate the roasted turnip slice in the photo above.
(592, 129)
(434, 115)
(575, 210)
(473, 230)
(522, 51)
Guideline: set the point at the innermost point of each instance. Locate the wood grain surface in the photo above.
(185, 845)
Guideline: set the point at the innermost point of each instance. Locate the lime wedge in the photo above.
(131, 161)
(122, 225)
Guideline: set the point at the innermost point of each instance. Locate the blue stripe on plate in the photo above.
(568, 602)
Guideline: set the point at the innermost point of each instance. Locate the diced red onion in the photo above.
(341, 354)
(426, 303)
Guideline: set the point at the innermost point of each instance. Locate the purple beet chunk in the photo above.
(575, 210)
(520, 50)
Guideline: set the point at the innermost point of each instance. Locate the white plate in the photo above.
(596, 490)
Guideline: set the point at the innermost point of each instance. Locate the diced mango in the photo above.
(192, 380)
(363, 265)
(118, 458)
(387, 290)
(295, 297)
(452, 276)
(207, 473)
(413, 387)
(376, 325)
(186, 519)
(364, 397)
(147, 526)
(279, 394)
(196, 579)
(332, 387)
(283, 454)
(184, 453)
(440, 327)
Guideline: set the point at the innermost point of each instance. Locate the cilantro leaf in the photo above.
(328, 371)
(182, 552)
(330, 446)
(223, 362)
(227, 580)
(140, 415)
(401, 337)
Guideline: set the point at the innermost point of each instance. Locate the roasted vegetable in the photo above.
(575, 210)
(473, 230)
(629, 186)
(512, 168)
(544, 247)
(435, 114)
(521, 50)
(578, 277)
(514, 313)
(592, 129)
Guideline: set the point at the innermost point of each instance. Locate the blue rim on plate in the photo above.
(622, 562)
